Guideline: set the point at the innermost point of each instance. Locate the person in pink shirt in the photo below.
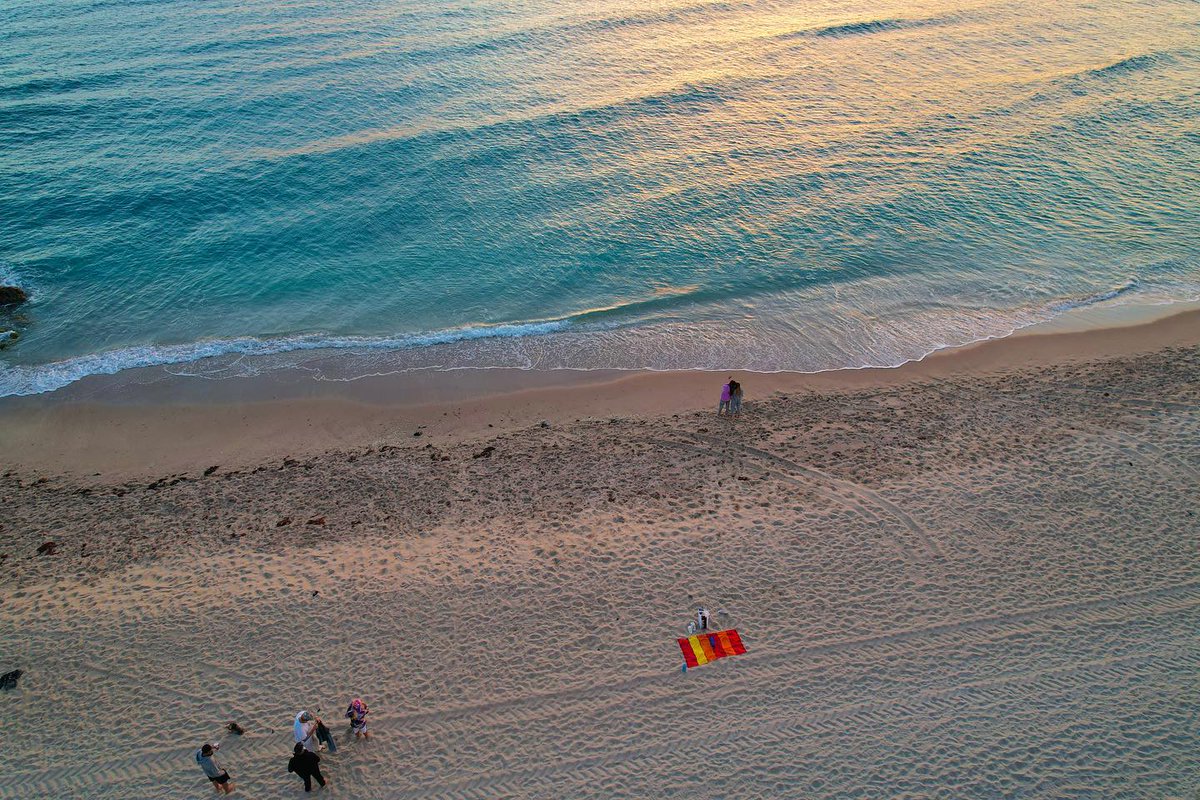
(723, 408)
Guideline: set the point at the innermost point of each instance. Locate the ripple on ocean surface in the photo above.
(835, 188)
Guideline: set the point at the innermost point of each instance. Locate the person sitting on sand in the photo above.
(357, 713)
(735, 395)
(305, 731)
(723, 406)
(206, 757)
(307, 765)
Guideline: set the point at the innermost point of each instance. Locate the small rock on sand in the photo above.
(316, 521)
(284, 521)
(485, 452)
(47, 548)
(211, 470)
(9, 679)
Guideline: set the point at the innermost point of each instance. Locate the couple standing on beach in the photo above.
(731, 399)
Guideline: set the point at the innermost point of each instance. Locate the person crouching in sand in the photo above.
(307, 765)
(206, 757)
(357, 713)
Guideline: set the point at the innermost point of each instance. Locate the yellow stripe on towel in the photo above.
(694, 641)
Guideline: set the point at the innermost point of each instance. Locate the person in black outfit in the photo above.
(307, 765)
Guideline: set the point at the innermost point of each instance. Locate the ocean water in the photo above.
(228, 187)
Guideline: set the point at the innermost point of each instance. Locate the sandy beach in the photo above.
(970, 577)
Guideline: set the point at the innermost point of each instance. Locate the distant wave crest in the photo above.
(864, 27)
(683, 98)
(57, 85)
(1136, 63)
(856, 28)
(1095, 299)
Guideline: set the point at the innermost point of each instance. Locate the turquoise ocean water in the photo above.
(231, 187)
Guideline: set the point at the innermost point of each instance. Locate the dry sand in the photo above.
(972, 578)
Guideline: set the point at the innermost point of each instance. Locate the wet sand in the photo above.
(149, 423)
(971, 577)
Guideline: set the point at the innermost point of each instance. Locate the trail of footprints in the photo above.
(874, 509)
(779, 662)
(864, 495)
(784, 662)
(787, 730)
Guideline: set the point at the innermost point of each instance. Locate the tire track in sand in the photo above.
(152, 763)
(1020, 406)
(862, 494)
(819, 487)
(946, 701)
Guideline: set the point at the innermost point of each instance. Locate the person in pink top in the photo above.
(726, 395)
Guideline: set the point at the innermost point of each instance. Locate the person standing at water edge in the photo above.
(723, 406)
(307, 765)
(206, 757)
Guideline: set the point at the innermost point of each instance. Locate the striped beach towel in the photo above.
(705, 647)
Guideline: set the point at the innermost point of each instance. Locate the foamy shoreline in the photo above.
(144, 422)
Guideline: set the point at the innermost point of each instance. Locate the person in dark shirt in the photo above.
(307, 765)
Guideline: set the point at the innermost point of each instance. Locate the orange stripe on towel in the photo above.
(705, 647)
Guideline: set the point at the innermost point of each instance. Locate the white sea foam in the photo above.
(20, 380)
(571, 344)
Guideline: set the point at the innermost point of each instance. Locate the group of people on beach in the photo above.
(311, 736)
(731, 399)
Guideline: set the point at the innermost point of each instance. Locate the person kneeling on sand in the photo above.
(357, 712)
(206, 757)
(307, 765)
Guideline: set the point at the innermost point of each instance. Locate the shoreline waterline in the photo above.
(532, 346)
(162, 423)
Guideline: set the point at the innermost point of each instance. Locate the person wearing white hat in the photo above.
(305, 731)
